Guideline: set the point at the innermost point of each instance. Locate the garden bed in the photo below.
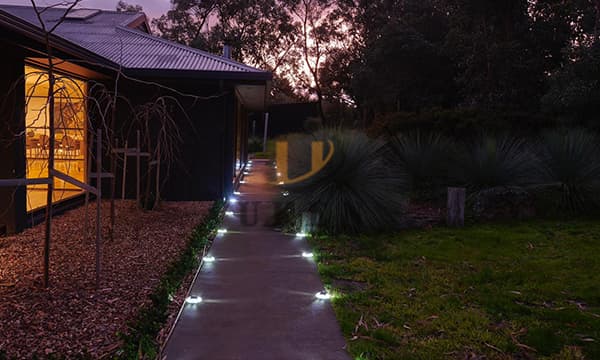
(72, 317)
(496, 291)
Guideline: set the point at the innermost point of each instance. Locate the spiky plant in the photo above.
(425, 159)
(497, 162)
(357, 191)
(571, 163)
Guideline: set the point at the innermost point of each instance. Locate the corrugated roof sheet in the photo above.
(108, 35)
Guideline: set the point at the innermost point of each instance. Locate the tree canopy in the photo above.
(381, 56)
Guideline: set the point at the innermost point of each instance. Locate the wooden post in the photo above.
(456, 207)
(137, 158)
(88, 179)
(157, 197)
(98, 205)
(113, 184)
(124, 171)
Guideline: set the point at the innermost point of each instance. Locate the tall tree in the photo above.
(260, 32)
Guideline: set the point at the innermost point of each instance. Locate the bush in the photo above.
(493, 162)
(425, 160)
(571, 165)
(357, 191)
(255, 144)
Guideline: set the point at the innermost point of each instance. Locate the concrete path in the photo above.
(259, 296)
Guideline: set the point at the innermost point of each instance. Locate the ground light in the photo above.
(208, 259)
(221, 231)
(301, 234)
(280, 183)
(232, 200)
(242, 181)
(229, 213)
(193, 299)
(307, 254)
(323, 295)
(285, 193)
(237, 193)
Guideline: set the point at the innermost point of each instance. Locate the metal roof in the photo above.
(113, 36)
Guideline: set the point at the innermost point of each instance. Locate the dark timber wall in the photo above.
(12, 139)
(205, 162)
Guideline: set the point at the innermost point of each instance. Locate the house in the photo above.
(200, 100)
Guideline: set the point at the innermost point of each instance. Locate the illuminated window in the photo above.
(70, 133)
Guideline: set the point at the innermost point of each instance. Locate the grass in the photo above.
(519, 290)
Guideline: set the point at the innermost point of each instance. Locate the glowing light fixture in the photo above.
(208, 259)
(221, 231)
(279, 174)
(301, 234)
(323, 295)
(193, 299)
(229, 213)
(242, 181)
(232, 200)
(249, 161)
(237, 193)
(307, 254)
(285, 193)
(280, 183)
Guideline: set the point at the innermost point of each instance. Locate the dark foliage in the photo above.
(571, 165)
(357, 191)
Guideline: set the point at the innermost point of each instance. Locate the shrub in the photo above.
(425, 160)
(571, 165)
(493, 162)
(357, 191)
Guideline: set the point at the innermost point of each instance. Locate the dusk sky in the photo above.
(152, 8)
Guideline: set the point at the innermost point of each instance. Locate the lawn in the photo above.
(498, 291)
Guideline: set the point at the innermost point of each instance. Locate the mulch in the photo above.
(72, 317)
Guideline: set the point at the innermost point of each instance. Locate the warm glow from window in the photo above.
(70, 134)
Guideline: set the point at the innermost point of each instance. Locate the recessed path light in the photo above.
(307, 254)
(232, 200)
(301, 234)
(229, 213)
(208, 259)
(237, 193)
(221, 231)
(280, 183)
(193, 299)
(323, 295)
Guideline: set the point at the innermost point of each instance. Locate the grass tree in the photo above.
(357, 191)
(425, 159)
(571, 164)
(497, 162)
